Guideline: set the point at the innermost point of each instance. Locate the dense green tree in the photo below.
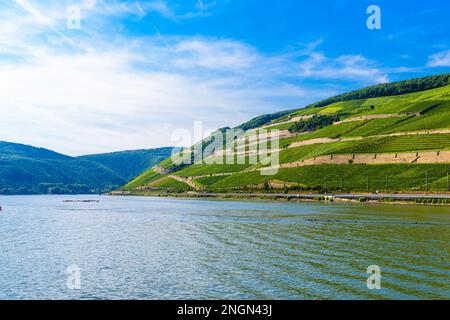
(29, 170)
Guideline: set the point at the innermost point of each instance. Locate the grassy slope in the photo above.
(142, 180)
(171, 184)
(416, 111)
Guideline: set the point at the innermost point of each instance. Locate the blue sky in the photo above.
(135, 72)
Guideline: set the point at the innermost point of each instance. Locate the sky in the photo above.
(85, 76)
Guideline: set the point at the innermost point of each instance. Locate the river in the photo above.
(156, 248)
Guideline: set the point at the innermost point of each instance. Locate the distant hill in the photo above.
(391, 137)
(129, 164)
(21, 150)
(30, 170)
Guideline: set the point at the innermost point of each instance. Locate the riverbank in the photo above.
(423, 199)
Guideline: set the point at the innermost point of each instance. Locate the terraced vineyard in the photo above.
(344, 178)
(404, 139)
(428, 142)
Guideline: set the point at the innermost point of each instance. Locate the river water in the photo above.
(151, 248)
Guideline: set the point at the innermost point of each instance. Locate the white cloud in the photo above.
(349, 67)
(160, 7)
(97, 102)
(221, 54)
(27, 6)
(101, 92)
(440, 59)
(163, 8)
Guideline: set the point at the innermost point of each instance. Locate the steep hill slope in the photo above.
(29, 170)
(367, 140)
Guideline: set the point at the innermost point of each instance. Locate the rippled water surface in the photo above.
(145, 248)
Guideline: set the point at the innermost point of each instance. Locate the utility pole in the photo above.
(387, 184)
(426, 181)
(368, 186)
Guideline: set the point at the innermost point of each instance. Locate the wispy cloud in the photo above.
(350, 67)
(440, 59)
(159, 7)
(215, 54)
(27, 6)
(163, 8)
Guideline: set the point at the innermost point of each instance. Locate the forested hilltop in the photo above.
(30, 170)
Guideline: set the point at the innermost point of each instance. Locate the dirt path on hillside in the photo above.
(413, 133)
(396, 134)
(374, 116)
(160, 170)
(225, 174)
(320, 140)
(259, 137)
(293, 120)
(386, 158)
(189, 181)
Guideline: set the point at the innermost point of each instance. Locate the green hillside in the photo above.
(129, 164)
(29, 170)
(389, 137)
